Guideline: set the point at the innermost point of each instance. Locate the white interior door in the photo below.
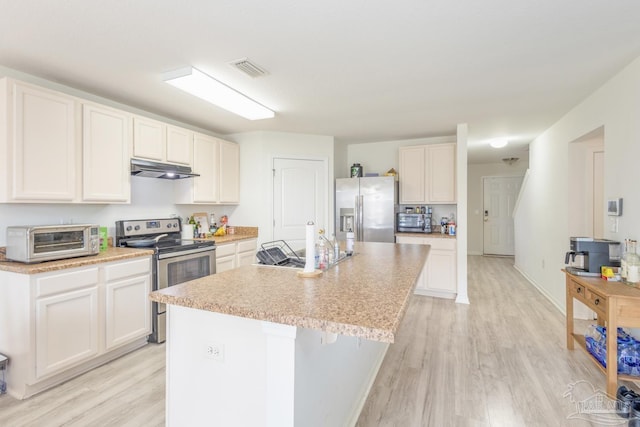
(300, 195)
(500, 194)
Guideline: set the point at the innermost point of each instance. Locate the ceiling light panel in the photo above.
(197, 83)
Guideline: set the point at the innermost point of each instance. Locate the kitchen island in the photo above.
(261, 346)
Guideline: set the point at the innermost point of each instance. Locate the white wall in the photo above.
(476, 172)
(150, 198)
(257, 150)
(542, 218)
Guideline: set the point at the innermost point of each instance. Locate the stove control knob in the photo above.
(175, 225)
(137, 227)
(168, 225)
(128, 228)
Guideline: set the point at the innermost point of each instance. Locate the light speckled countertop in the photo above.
(430, 235)
(365, 295)
(111, 254)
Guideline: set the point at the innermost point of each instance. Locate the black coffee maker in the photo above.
(594, 252)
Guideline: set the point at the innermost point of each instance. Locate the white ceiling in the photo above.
(362, 71)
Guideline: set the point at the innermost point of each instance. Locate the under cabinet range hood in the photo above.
(149, 169)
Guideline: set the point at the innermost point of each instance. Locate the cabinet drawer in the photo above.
(127, 269)
(596, 301)
(444, 244)
(411, 240)
(225, 250)
(63, 282)
(578, 291)
(247, 245)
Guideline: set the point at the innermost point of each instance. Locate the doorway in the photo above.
(586, 186)
(500, 195)
(300, 194)
(586, 203)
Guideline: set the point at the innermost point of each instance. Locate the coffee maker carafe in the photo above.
(594, 253)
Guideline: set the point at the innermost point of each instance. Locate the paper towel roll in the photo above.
(187, 231)
(310, 236)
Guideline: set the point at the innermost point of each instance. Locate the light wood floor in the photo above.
(500, 361)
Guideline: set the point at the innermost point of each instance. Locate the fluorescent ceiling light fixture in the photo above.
(499, 143)
(197, 83)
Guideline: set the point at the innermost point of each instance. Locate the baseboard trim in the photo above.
(540, 289)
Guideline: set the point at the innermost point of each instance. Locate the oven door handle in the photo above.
(187, 252)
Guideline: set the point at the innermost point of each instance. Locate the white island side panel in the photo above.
(268, 370)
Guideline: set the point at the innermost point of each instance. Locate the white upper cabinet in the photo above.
(206, 187)
(149, 139)
(179, 145)
(218, 164)
(157, 141)
(39, 144)
(229, 172)
(427, 174)
(442, 173)
(106, 145)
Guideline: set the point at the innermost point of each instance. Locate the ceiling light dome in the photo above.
(499, 142)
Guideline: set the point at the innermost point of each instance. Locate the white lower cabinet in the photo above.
(58, 324)
(127, 305)
(438, 276)
(235, 254)
(67, 329)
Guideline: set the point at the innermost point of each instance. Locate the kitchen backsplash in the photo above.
(149, 198)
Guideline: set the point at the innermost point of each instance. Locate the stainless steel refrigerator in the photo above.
(366, 206)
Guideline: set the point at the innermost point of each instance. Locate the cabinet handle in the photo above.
(578, 290)
(597, 301)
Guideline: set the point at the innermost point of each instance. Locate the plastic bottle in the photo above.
(336, 249)
(322, 261)
(623, 261)
(633, 264)
(350, 240)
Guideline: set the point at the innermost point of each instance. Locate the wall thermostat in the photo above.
(614, 207)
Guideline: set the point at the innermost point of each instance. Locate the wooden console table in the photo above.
(616, 305)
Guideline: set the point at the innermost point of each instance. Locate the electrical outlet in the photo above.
(214, 351)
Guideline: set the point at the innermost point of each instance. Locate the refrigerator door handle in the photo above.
(361, 220)
(356, 219)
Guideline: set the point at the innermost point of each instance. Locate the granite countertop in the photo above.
(365, 295)
(430, 235)
(111, 254)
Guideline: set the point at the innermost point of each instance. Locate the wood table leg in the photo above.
(612, 350)
(569, 310)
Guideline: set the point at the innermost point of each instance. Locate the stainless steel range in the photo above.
(174, 261)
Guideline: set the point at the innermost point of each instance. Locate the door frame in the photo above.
(330, 188)
(483, 178)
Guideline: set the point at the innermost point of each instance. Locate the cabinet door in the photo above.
(66, 330)
(225, 263)
(412, 175)
(149, 139)
(179, 145)
(205, 163)
(442, 173)
(106, 141)
(441, 272)
(128, 310)
(229, 172)
(45, 145)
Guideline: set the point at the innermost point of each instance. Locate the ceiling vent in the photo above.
(249, 68)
